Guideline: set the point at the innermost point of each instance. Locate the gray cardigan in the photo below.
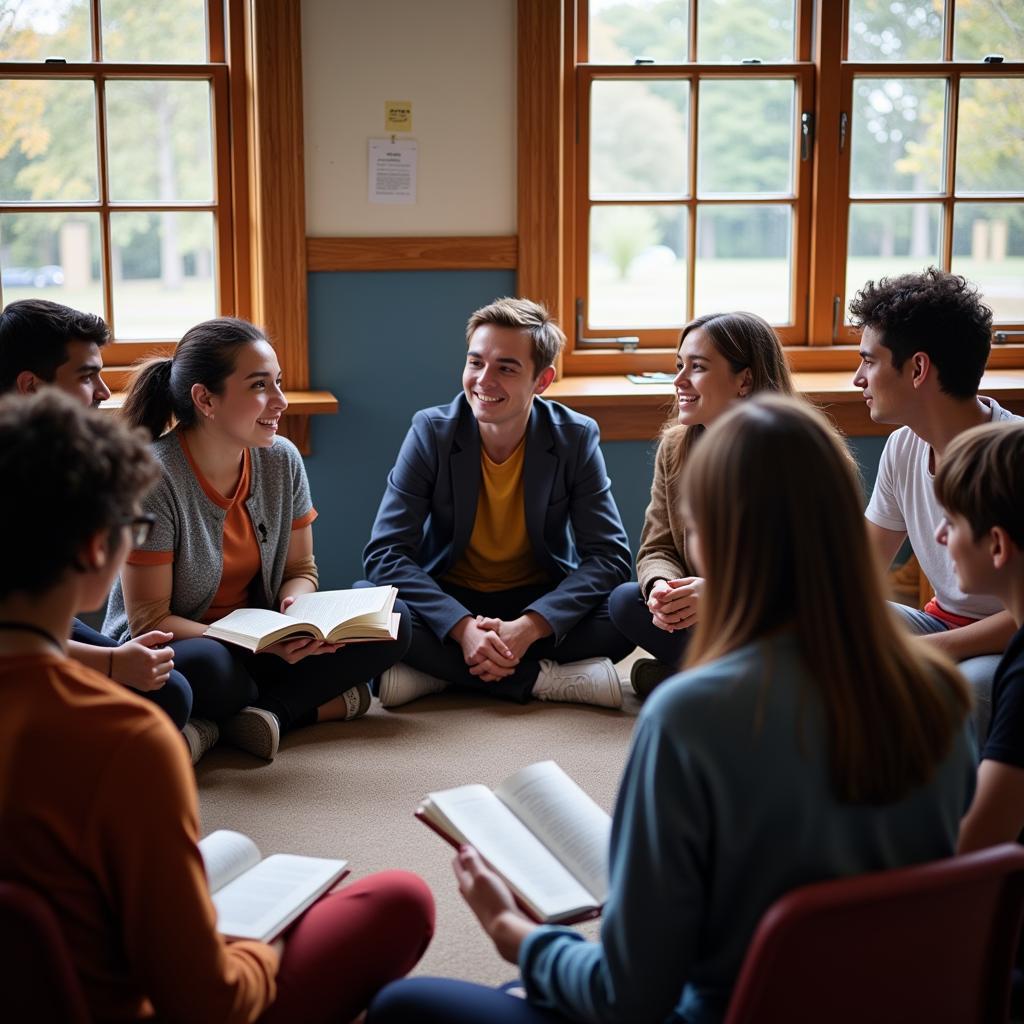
(191, 526)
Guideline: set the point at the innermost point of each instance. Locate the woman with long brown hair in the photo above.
(808, 739)
(722, 358)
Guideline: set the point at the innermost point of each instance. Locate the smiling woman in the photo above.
(233, 529)
(722, 358)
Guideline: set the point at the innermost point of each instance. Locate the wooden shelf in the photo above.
(300, 403)
(635, 412)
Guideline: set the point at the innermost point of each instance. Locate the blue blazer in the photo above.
(428, 510)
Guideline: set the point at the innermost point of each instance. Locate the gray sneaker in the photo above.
(402, 683)
(255, 731)
(357, 701)
(200, 734)
(590, 681)
(646, 674)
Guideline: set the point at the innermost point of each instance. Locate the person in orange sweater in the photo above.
(98, 806)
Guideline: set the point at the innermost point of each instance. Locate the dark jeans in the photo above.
(447, 1001)
(593, 636)
(175, 696)
(225, 678)
(632, 618)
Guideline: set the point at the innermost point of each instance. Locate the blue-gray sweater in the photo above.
(191, 526)
(716, 818)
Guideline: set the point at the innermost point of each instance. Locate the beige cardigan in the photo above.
(662, 543)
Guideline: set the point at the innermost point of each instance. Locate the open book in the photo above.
(352, 616)
(256, 898)
(538, 830)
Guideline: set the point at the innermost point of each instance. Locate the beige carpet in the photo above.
(350, 789)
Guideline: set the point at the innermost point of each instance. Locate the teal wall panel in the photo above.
(388, 343)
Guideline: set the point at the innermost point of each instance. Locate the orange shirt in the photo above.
(240, 550)
(98, 813)
(499, 555)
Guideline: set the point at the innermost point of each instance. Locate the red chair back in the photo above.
(37, 978)
(933, 943)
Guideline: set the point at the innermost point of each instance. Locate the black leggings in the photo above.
(631, 617)
(225, 678)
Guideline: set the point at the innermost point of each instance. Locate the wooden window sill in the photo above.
(635, 412)
(300, 403)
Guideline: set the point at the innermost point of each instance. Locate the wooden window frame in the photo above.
(255, 69)
(553, 134)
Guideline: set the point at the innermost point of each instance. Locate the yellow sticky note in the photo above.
(397, 116)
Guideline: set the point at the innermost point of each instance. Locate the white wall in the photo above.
(455, 60)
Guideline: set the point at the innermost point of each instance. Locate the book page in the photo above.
(250, 623)
(260, 903)
(330, 608)
(571, 825)
(480, 818)
(226, 855)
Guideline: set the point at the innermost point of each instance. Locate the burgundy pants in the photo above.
(349, 945)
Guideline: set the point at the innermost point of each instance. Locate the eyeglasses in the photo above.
(140, 525)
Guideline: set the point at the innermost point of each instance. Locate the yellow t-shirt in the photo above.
(499, 555)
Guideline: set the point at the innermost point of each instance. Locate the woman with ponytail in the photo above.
(233, 529)
(807, 739)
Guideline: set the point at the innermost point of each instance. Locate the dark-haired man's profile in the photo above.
(45, 344)
(925, 340)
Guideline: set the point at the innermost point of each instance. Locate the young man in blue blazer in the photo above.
(499, 528)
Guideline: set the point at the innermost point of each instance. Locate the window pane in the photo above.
(889, 239)
(52, 256)
(981, 27)
(743, 261)
(745, 139)
(989, 141)
(729, 31)
(896, 30)
(32, 30)
(168, 32)
(637, 266)
(163, 273)
(622, 30)
(897, 135)
(988, 249)
(159, 140)
(638, 139)
(48, 141)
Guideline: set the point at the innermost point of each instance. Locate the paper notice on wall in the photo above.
(397, 116)
(392, 171)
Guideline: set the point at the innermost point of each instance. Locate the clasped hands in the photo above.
(492, 648)
(674, 604)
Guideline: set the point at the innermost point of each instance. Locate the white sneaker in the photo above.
(590, 681)
(200, 734)
(402, 683)
(255, 731)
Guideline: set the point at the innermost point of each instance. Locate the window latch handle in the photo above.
(806, 135)
(627, 344)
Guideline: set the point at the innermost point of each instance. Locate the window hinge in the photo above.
(627, 344)
(836, 308)
(844, 121)
(806, 136)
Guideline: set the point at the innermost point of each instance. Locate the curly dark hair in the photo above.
(34, 335)
(70, 473)
(934, 312)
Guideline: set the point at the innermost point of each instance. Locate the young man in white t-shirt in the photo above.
(924, 345)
